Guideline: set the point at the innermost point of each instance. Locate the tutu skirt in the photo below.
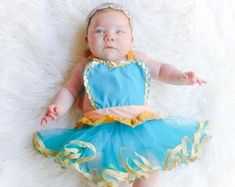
(114, 152)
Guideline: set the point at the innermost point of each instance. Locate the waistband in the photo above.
(131, 115)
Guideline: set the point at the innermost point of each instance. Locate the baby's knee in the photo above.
(150, 182)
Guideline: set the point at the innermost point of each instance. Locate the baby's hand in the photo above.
(53, 112)
(192, 79)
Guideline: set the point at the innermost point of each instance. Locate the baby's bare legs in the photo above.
(151, 182)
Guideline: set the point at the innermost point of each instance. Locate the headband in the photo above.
(113, 6)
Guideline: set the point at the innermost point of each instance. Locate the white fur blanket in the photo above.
(41, 40)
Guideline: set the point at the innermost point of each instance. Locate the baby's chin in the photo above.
(113, 56)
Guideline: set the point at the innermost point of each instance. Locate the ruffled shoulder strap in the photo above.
(131, 55)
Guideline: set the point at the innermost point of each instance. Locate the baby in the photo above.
(111, 88)
(109, 37)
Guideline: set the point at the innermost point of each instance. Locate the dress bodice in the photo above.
(111, 84)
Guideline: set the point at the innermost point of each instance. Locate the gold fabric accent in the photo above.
(131, 55)
(111, 64)
(73, 153)
(132, 122)
(39, 146)
(145, 167)
(179, 154)
(85, 80)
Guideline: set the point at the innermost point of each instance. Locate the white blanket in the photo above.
(41, 40)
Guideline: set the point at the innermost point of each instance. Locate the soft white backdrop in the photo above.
(41, 40)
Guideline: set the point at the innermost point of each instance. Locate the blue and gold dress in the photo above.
(121, 139)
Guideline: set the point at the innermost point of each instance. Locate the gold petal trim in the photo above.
(145, 167)
(132, 122)
(180, 154)
(73, 153)
(39, 146)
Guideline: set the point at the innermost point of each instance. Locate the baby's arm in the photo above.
(172, 75)
(61, 105)
(66, 96)
(168, 73)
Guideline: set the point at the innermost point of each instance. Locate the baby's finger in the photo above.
(200, 82)
(186, 76)
(50, 116)
(56, 111)
(43, 121)
(203, 81)
(51, 109)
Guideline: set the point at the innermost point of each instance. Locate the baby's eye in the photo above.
(119, 31)
(100, 31)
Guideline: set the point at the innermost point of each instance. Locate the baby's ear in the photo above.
(132, 39)
(86, 39)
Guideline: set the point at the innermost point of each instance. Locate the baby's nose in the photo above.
(109, 38)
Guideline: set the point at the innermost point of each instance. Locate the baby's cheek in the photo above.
(125, 47)
(96, 46)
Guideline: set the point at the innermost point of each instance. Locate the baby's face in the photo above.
(109, 35)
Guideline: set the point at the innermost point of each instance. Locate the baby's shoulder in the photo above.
(79, 66)
(153, 65)
(141, 56)
(81, 63)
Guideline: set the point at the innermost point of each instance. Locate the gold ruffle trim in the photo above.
(71, 157)
(39, 146)
(132, 122)
(180, 153)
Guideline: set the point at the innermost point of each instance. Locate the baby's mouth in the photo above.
(109, 47)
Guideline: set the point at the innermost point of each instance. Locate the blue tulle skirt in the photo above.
(114, 152)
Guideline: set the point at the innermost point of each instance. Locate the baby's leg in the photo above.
(151, 182)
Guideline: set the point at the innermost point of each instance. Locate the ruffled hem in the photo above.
(180, 153)
(70, 156)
